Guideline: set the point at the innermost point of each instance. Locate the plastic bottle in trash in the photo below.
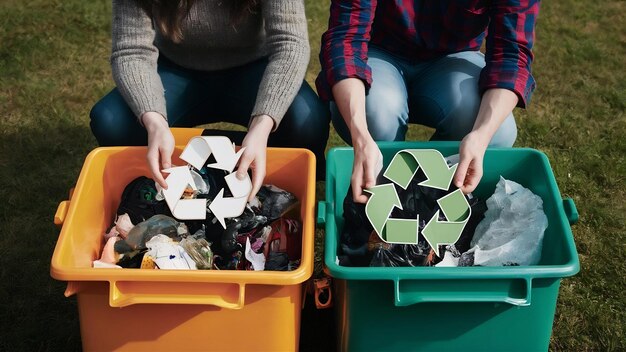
(144, 231)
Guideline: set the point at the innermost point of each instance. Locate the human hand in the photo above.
(254, 156)
(368, 161)
(160, 145)
(471, 154)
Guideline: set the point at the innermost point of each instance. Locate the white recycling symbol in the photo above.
(196, 153)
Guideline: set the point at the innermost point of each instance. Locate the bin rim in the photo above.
(446, 273)
(62, 272)
(569, 268)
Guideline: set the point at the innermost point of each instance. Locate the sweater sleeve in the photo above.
(288, 47)
(134, 58)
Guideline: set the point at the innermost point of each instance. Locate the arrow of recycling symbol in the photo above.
(196, 153)
(199, 149)
(184, 209)
(384, 198)
(230, 207)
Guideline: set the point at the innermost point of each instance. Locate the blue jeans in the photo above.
(441, 93)
(199, 97)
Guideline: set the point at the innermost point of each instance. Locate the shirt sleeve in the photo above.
(343, 52)
(508, 55)
(134, 59)
(289, 54)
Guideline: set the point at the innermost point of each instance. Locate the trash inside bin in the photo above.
(173, 310)
(507, 308)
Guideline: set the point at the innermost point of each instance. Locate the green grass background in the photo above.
(54, 66)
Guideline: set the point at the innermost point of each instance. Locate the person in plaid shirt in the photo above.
(388, 63)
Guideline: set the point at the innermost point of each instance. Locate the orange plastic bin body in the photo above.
(176, 310)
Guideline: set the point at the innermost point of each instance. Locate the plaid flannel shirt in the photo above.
(419, 30)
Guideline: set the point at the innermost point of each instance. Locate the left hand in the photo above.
(254, 157)
(471, 154)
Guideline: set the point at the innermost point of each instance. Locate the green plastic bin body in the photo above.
(452, 309)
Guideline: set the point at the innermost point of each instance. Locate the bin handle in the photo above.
(321, 212)
(64, 206)
(570, 210)
(512, 291)
(59, 216)
(223, 295)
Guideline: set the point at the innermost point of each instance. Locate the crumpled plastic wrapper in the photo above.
(513, 228)
(112, 233)
(168, 254)
(199, 250)
(274, 201)
(139, 235)
(123, 225)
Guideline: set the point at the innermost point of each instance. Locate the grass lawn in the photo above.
(54, 66)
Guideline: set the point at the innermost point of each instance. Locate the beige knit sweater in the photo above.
(278, 29)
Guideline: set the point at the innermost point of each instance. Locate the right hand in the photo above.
(255, 155)
(160, 145)
(368, 162)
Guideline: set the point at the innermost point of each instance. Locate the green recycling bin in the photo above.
(452, 308)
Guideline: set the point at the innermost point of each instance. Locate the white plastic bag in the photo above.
(512, 231)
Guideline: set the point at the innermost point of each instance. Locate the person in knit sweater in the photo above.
(193, 62)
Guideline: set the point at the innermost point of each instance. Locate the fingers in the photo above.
(361, 198)
(473, 177)
(357, 186)
(258, 175)
(166, 158)
(461, 171)
(365, 169)
(153, 163)
(369, 178)
(160, 146)
(244, 165)
(468, 174)
(362, 178)
(258, 172)
(369, 181)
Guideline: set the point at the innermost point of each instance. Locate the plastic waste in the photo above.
(108, 252)
(123, 225)
(448, 260)
(512, 231)
(275, 201)
(202, 186)
(139, 200)
(99, 264)
(168, 254)
(144, 231)
(416, 200)
(199, 250)
(148, 263)
(393, 255)
(132, 259)
(111, 233)
(285, 237)
(278, 261)
(256, 259)
(247, 221)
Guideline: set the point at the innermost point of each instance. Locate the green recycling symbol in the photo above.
(384, 198)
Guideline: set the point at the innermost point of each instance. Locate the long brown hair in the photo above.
(169, 14)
